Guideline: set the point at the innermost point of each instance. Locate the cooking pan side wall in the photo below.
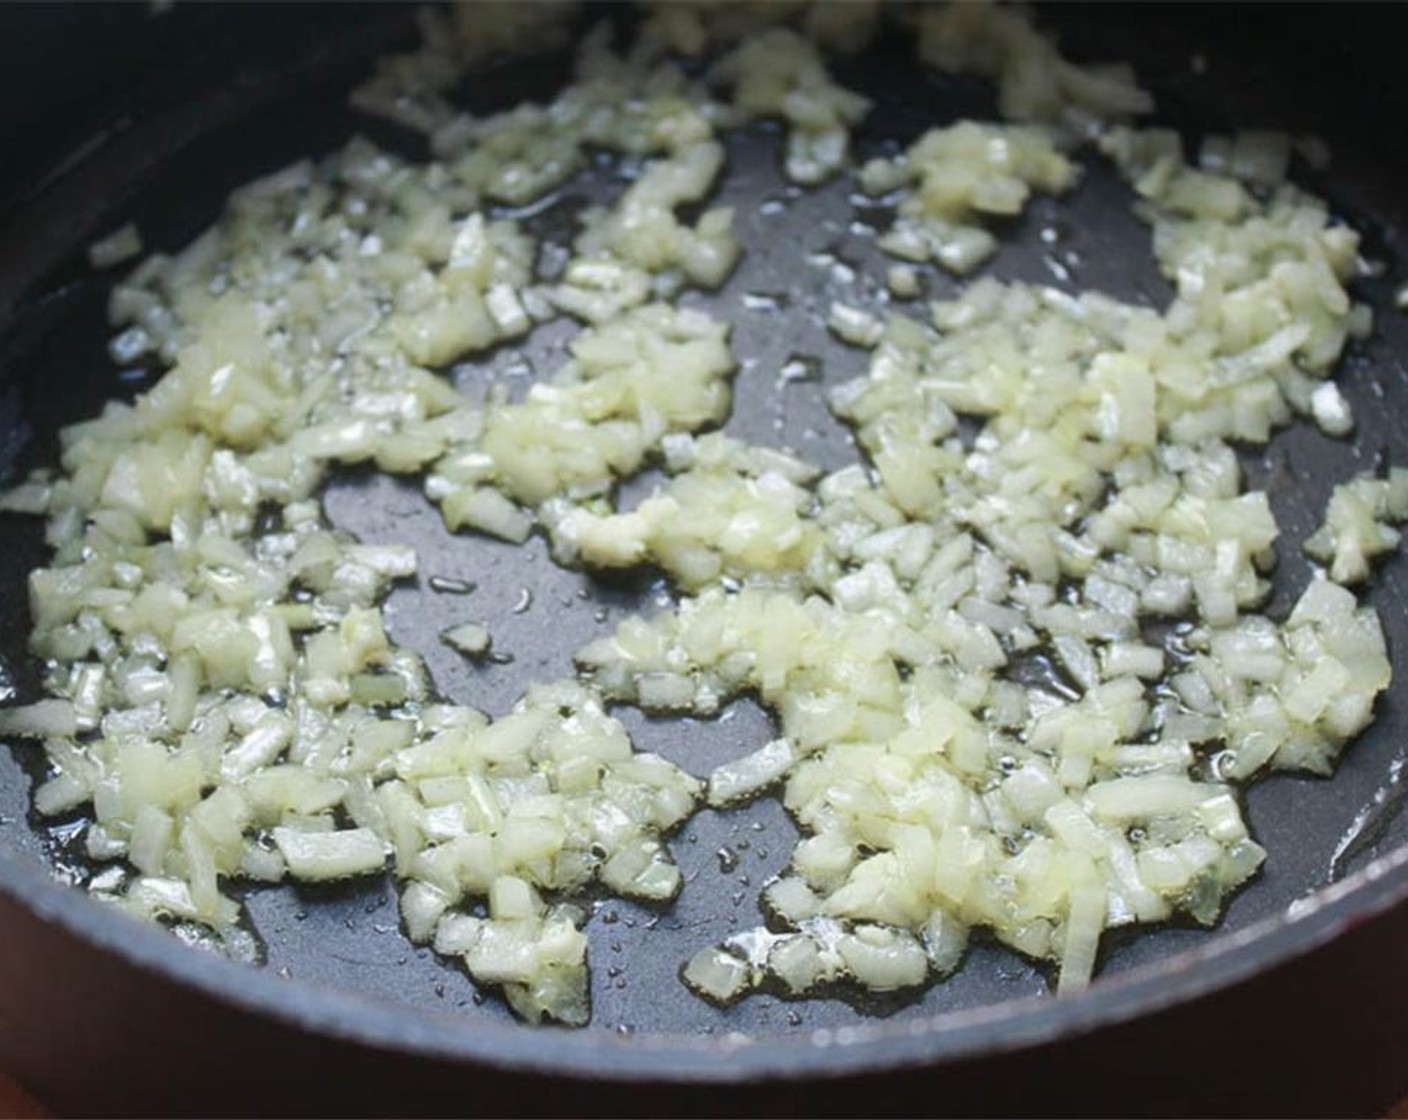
(1323, 1036)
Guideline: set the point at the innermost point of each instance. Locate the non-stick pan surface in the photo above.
(335, 960)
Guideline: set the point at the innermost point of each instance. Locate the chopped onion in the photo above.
(975, 731)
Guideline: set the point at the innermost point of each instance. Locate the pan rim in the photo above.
(947, 1038)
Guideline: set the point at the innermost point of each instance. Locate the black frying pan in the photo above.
(1297, 1002)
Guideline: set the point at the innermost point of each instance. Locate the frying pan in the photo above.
(1296, 1003)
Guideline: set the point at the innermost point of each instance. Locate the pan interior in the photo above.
(806, 248)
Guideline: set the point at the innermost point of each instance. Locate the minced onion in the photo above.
(116, 248)
(222, 696)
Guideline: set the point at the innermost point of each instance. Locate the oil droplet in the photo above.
(601, 614)
(525, 600)
(440, 989)
(620, 982)
(800, 367)
(766, 301)
(448, 585)
(842, 273)
(501, 658)
(1056, 268)
(728, 859)
(610, 917)
(614, 971)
